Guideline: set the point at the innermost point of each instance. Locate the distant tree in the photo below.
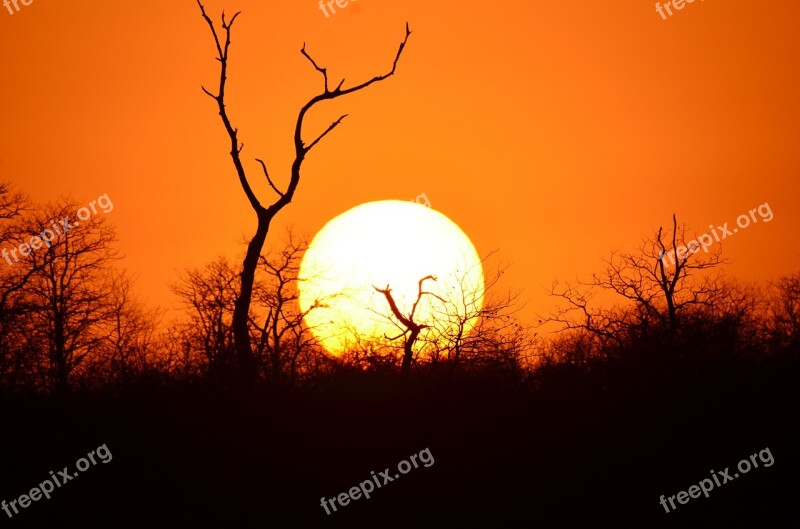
(476, 324)
(265, 215)
(14, 364)
(68, 293)
(210, 294)
(12, 233)
(783, 316)
(658, 295)
(129, 346)
(367, 353)
(179, 357)
(499, 340)
(283, 337)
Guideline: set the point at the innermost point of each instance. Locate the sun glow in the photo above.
(392, 243)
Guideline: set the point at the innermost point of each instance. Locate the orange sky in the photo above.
(552, 131)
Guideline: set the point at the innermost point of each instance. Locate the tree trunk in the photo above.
(61, 385)
(241, 335)
(408, 352)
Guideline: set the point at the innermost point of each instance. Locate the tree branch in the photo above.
(263, 166)
(328, 94)
(236, 147)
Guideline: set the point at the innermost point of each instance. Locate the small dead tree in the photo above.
(412, 328)
(265, 214)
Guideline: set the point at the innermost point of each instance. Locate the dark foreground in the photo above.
(566, 448)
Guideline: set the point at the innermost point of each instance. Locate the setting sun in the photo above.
(384, 243)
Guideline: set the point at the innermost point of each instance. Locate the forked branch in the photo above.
(236, 146)
(337, 92)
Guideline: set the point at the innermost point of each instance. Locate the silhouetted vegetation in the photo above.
(245, 361)
(632, 399)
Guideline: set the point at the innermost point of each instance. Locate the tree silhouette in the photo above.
(784, 316)
(70, 292)
(475, 322)
(128, 348)
(657, 295)
(264, 215)
(209, 294)
(283, 337)
(412, 328)
(13, 277)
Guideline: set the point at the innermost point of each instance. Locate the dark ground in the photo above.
(572, 450)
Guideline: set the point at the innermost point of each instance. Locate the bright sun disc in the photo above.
(389, 242)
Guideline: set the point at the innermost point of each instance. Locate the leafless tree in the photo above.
(210, 295)
(178, 355)
(13, 233)
(265, 214)
(283, 336)
(69, 291)
(657, 293)
(784, 316)
(130, 336)
(411, 328)
(474, 321)
(365, 352)
(13, 277)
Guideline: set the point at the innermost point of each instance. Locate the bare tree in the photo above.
(473, 319)
(69, 291)
(210, 295)
(130, 332)
(283, 337)
(13, 233)
(178, 355)
(264, 215)
(365, 352)
(656, 293)
(13, 277)
(783, 322)
(411, 328)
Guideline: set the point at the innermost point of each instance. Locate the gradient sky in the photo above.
(552, 131)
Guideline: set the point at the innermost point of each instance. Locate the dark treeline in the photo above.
(70, 319)
(658, 372)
